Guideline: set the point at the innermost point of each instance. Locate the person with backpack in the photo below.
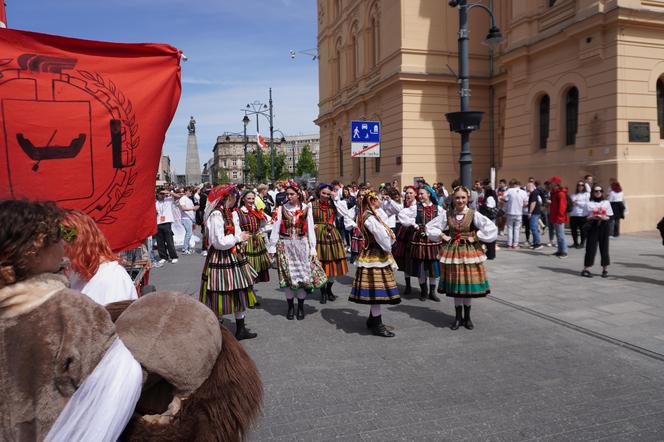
(558, 214)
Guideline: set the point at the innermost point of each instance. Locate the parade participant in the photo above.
(351, 224)
(95, 269)
(165, 218)
(463, 276)
(374, 281)
(227, 276)
(598, 228)
(423, 250)
(256, 223)
(293, 242)
(401, 250)
(329, 244)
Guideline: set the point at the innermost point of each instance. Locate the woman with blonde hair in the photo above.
(95, 268)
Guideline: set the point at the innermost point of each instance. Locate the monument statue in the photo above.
(192, 126)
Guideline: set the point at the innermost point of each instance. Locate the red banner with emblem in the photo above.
(83, 123)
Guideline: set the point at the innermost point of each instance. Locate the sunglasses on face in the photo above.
(291, 194)
(597, 190)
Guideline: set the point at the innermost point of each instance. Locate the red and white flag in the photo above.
(82, 123)
(3, 15)
(261, 141)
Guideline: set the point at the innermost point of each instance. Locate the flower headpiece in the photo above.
(216, 196)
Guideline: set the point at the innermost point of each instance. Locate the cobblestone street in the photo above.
(554, 356)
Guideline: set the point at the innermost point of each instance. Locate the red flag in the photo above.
(3, 15)
(260, 140)
(83, 123)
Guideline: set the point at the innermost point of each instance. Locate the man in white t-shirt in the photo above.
(188, 217)
(165, 244)
(515, 200)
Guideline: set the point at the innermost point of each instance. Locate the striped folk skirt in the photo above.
(374, 285)
(226, 282)
(296, 267)
(330, 250)
(462, 270)
(256, 252)
(401, 249)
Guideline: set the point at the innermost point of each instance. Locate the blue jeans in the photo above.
(560, 237)
(188, 225)
(534, 229)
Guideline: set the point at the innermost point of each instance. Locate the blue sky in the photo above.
(236, 50)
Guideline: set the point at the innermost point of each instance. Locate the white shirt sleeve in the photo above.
(436, 227)
(217, 235)
(408, 215)
(491, 202)
(349, 221)
(486, 229)
(111, 283)
(310, 230)
(391, 207)
(379, 232)
(274, 235)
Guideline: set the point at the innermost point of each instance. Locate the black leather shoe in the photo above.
(378, 329)
(291, 310)
(300, 309)
(407, 290)
(423, 292)
(458, 320)
(330, 295)
(466, 318)
(370, 321)
(242, 332)
(323, 295)
(432, 293)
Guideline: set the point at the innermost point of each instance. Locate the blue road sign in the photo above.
(365, 139)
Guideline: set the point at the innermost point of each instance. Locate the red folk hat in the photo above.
(220, 191)
(555, 180)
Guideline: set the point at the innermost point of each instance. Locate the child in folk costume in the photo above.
(462, 276)
(374, 282)
(293, 241)
(227, 276)
(329, 244)
(423, 249)
(401, 249)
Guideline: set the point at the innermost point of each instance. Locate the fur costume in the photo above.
(198, 382)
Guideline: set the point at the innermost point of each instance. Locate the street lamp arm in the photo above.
(487, 9)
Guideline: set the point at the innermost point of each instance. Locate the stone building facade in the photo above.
(293, 146)
(574, 89)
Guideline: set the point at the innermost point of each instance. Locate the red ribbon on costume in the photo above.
(300, 221)
(229, 229)
(258, 214)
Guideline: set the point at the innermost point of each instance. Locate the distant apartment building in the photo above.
(293, 146)
(164, 174)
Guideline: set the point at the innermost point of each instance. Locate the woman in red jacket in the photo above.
(558, 214)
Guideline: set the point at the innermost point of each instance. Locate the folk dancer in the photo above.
(401, 249)
(293, 242)
(374, 281)
(227, 276)
(462, 271)
(329, 244)
(423, 250)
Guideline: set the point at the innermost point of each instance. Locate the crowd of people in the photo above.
(440, 237)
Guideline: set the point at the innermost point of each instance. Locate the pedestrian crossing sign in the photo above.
(365, 139)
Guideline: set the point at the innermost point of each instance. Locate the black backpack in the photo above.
(570, 203)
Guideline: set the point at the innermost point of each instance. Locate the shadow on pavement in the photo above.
(343, 279)
(425, 314)
(278, 307)
(347, 320)
(631, 278)
(634, 265)
(651, 254)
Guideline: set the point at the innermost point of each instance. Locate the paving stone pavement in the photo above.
(536, 367)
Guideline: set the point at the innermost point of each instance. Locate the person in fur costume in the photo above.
(165, 371)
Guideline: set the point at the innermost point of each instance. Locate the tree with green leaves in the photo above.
(222, 176)
(280, 169)
(306, 163)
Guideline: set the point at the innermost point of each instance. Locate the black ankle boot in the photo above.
(458, 320)
(370, 321)
(241, 331)
(291, 309)
(323, 295)
(432, 293)
(423, 292)
(407, 291)
(466, 318)
(300, 309)
(330, 295)
(378, 329)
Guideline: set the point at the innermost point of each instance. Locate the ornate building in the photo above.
(293, 146)
(575, 88)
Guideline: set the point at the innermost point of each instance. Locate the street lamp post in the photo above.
(466, 121)
(245, 166)
(271, 140)
(282, 141)
(257, 108)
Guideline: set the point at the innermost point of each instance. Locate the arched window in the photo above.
(660, 108)
(544, 112)
(374, 36)
(337, 67)
(355, 61)
(337, 8)
(571, 116)
(341, 157)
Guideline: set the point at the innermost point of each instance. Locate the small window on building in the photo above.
(544, 111)
(377, 165)
(571, 116)
(660, 108)
(552, 2)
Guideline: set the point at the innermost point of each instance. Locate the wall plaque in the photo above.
(639, 132)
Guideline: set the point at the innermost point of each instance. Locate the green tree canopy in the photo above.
(222, 176)
(306, 163)
(280, 170)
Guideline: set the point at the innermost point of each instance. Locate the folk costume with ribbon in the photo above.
(424, 250)
(256, 223)
(329, 244)
(227, 276)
